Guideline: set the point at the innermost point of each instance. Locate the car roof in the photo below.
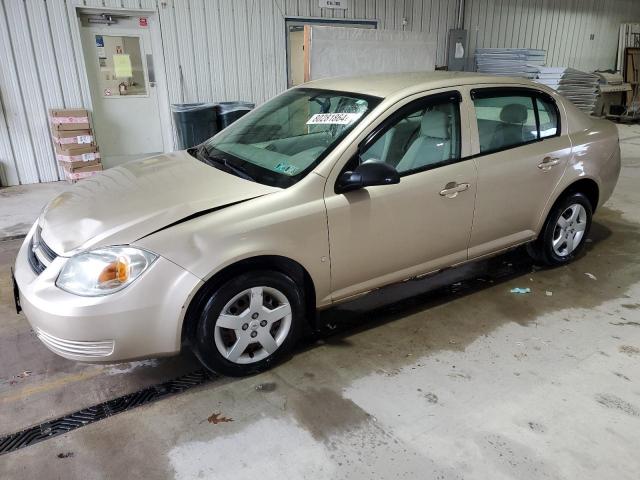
(383, 85)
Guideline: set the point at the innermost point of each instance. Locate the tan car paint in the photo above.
(406, 228)
(346, 247)
(291, 223)
(139, 197)
(144, 319)
(513, 189)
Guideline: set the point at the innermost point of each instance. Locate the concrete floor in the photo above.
(450, 377)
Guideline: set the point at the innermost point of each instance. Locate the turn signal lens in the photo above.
(117, 271)
(103, 271)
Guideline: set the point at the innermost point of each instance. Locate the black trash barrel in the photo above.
(195, 122)
(229, 112)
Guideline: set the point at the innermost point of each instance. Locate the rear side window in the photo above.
(505, 122)
(508, 120)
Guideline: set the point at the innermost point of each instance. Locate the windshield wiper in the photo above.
(218, 162)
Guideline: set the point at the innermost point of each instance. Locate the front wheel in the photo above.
(564, 232)
(249, 323)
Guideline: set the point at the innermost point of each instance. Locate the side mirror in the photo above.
(367, 174)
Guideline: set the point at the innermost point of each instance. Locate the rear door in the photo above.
(521, 153)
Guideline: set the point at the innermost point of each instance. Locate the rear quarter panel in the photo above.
(595, 155)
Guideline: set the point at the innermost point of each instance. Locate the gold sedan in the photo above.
(328, 191)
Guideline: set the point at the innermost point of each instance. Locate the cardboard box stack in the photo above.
(76, 149)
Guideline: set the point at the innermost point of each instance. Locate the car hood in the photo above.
(125, 203)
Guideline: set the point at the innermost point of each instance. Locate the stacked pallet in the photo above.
(74, 142)
(510, 62)
(580, 87)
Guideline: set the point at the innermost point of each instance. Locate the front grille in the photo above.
(40, 254)
(98, 348)
(36, 265)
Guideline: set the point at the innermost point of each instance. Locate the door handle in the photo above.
(452, 189)
(151, 70)
(548, 162)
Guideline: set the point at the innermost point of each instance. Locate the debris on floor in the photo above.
(217, 418)
(548, 293)
(266, 387)
(591, 276)
(128, 367)
(520, 290)
(14, 379)
(629, 350)
(65, 455)
(431, 397)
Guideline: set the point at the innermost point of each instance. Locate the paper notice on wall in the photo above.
(122, 66)
(333, 118)
(459, 50)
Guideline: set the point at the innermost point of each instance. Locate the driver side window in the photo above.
(423, 135)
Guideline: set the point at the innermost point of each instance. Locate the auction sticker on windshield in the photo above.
(333, 118)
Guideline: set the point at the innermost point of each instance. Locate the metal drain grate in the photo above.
(83, 417)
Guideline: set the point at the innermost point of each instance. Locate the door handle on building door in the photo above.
(150, 70)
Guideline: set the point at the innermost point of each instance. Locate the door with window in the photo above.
(521, 156)
(382, 234)
(118, 58)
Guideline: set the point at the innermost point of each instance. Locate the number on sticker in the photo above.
(333, 118)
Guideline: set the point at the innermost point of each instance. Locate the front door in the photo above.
(118, 58)
(522, 156)
(383, 234)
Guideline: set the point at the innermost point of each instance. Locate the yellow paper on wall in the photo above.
(122, 66)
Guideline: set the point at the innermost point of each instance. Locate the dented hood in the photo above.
(128, 202)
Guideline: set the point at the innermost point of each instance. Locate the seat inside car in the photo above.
(511, 130)
(432, 145)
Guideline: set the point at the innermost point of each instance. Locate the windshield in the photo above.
(287, 137)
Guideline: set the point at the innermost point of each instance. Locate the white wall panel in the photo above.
(19, 135)
(171, 53)
(187, 69)
(37, 80)
(199, 33)
(8, 168)
(65, 59)
(561, 27)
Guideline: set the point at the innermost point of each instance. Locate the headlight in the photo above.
(103, 271)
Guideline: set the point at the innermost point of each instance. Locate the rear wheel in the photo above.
(249, 323)
(564, 232)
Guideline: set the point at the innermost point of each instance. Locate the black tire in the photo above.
(541, 250)
(203, 340)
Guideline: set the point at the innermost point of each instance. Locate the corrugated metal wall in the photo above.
(214, 50)
(235, 49)
(251, 65)
(561, 27)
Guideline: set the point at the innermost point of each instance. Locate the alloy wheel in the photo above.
(569, 230)
(253, 325)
